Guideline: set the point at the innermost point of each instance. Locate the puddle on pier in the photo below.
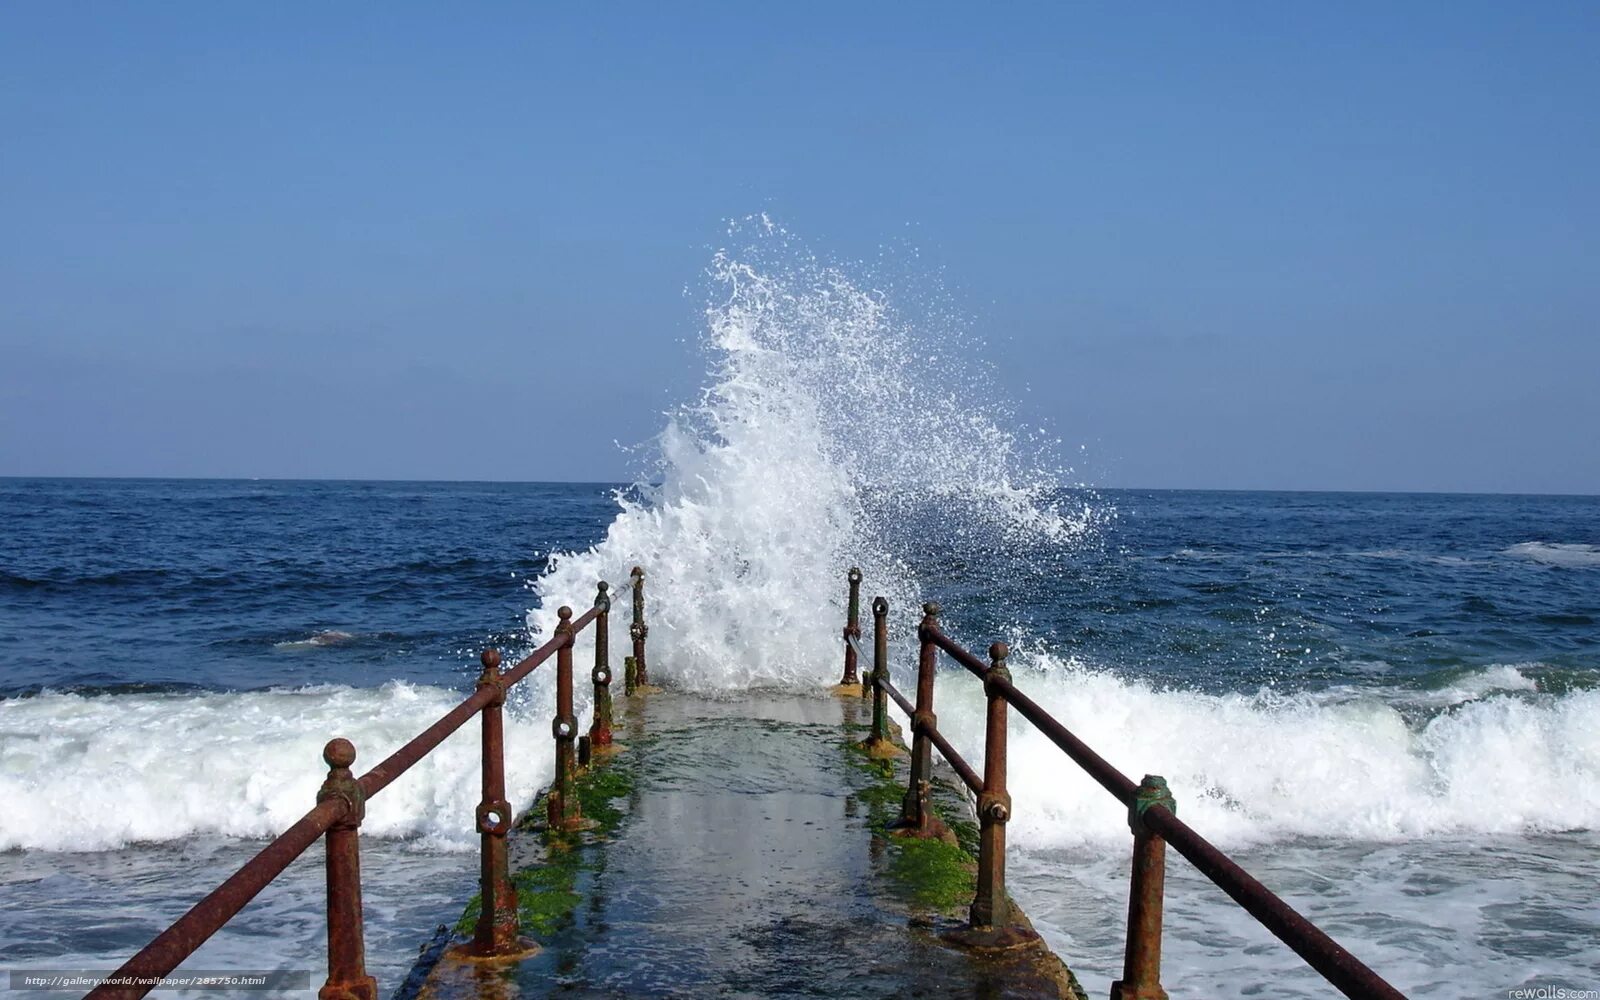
(745, 858)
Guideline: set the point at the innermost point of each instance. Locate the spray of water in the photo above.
(834, 430)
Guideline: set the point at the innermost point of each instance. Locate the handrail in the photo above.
(1152, 818)
(957, 762)
(341, 805)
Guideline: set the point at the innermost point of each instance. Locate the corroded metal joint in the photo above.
(490, 677)
(493, 681)
(994, 807)
(602, 599)
(564, 727)
(854, 576)
(852, 631)
(924, 722)
(341, 784)
(601, 676)
(880, 606)
(638, 630)
(500, 809)
(1152, 792)
(997, 673)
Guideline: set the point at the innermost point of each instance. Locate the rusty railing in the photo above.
(341, 805)
(1152, 817)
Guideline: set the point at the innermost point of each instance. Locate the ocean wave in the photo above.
(96, 773)
(1569, 554)
(831, 434)
(1347, 764)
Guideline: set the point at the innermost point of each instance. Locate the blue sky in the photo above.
(1289, 246)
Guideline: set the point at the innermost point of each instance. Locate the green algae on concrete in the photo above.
(547, 889)
(742, 853)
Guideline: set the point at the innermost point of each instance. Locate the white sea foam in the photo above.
(1557, 553)
(1262, 767)
(93, 773)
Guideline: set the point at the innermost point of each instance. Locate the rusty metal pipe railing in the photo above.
(852, 626)
(341, 805)
(1111, 779)
(195, 927)
(496, 930)
(600, 676)
(1155, 824)
(958, 763)
(638, 630)
(1347, 973)
(880, 671)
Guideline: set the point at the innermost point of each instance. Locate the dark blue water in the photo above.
(217, 585)
(223, 585)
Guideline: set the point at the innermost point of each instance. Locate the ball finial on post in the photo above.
(340, 753)
(490, 659)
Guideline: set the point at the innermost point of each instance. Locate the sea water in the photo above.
(1386, 706)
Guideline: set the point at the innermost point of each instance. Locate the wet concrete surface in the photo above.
(745, 858)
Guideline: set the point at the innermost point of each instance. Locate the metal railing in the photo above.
(341, 805)
(1152, 815)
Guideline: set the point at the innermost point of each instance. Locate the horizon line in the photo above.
(1084, 487)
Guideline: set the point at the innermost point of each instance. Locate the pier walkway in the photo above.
(761, 846)
(742, 850)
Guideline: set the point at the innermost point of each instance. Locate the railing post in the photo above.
(630, 675)
(496, 932)
(600, 728)
(880, 672)
(852, 626)
(563, 802)
(991, 907)
(915, 814)
(1141, 960)
(638, 630)
(347, 965)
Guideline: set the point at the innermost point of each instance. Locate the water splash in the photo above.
(837, 427)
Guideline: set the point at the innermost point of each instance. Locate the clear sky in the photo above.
(1347, 246)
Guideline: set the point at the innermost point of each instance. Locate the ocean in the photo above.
(1386, 706)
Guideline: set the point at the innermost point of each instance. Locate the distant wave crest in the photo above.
(1557, 553)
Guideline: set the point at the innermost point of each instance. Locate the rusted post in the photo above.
(496, 933)
(347, 962)
(638, 630)
(630, 674)
(915, 815)
(991, 907)
(852, 626)
(563, 801)
(880, 672)
(600, 728)
(1141, 960)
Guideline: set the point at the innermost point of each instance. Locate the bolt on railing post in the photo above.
(638, 630)
(1141, 962)
(992, 907)
(496, 932)
(563, 801)
(600, 728)
(852, 626)
(347, 967)
(914, 811)
(880, 671)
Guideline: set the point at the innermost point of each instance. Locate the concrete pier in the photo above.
(741, 849)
